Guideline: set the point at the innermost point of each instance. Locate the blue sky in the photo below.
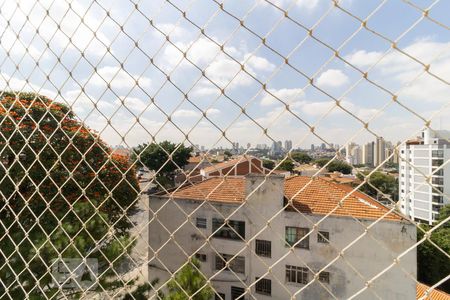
(124, 67)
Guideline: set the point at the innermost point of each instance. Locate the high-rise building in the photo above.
(420, 199)
(368, 154)
(323, 146)
(312, 147)
(353, 154)
(380, 151)
(287, 145)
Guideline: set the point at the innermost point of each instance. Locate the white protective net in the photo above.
(142, 156)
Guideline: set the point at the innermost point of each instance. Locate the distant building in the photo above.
(380, 151)
(323, 146)
(419, 159)
(312, 147)
(238, 252)
(352, 154)
(288, 145)
(368, 154)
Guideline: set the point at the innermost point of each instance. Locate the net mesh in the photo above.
(96, 203)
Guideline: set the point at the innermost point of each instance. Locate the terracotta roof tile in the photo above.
(225, 189)
(434, 295)
(231, 163)
(317, 197)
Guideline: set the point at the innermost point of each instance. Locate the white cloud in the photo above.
(332, 78)
(308, 5)
(185, 113)
(118, 78)
(133, 103)
(212, 112)
(286, 95)
(363, 58)
(83, 103)
(259, 63)
(400, 72)
(15, 84)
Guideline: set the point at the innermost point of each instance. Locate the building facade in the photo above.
(425, 157)
(236, 255)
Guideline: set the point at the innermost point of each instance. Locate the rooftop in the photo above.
(314, 196)
(433, 295)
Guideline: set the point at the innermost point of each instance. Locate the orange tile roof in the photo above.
(320, 197)
(229, 163)
(317, 197)
(196, 159)
(224, 189)
(433, 295)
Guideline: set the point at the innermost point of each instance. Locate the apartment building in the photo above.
(240, 227)
(421, 198)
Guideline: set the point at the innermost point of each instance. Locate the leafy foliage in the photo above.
(156, 157)
(335, 165)
(432, 264)
(384, 182)
(286, 165)
(269, 164)
(62, 192)
(189, 283)
(301, 157)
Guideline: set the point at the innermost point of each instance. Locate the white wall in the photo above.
(367, 256)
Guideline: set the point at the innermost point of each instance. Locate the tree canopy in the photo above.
(286, 165)
(335, 165)
(269, 164)
(301, 157)
(189, 283)
(156, 158)
(386, 183)
(432, 264)
(63, 191)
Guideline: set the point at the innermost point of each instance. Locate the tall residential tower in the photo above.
(420, 158)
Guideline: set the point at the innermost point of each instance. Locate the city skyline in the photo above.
(140, 87)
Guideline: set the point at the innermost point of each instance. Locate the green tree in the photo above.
(432, 264)
(321, 162)
(335, 165)
(301, 157)
(339, 166)
(189, 283)
(62, 192)
(227, 154)
(386, 183)
(156, 157)
(286, 165)
(269, 164)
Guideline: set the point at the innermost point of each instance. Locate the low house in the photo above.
(282, 238)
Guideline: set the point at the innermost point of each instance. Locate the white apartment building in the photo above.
(236, 254)
(419, 198)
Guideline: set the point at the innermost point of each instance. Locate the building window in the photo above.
(200, 257)
(237, 293)
(296, 274)
(263, 248)
(439, 181)
(438, 199)
(263, 286)
(234, 230)
(200, 223)
(294, 234)
(324, 277)
(219, 296)
(236, 265)
(323, 237)
(437, 162)
(437, 153)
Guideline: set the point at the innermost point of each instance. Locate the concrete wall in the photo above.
(367, 257)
